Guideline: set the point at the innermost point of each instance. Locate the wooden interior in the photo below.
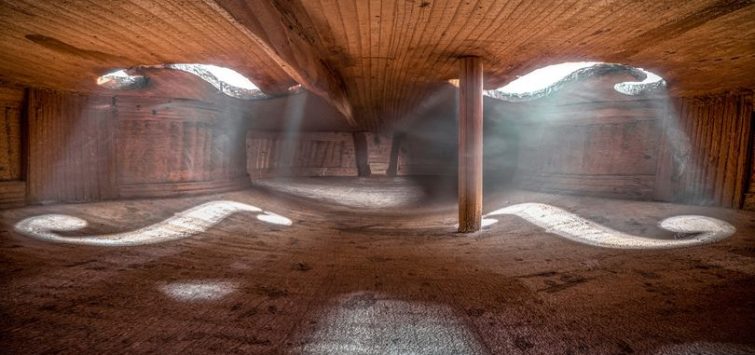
(389, 163)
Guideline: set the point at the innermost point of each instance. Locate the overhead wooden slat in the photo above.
(377, 61)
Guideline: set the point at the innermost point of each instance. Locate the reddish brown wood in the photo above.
(470, 144)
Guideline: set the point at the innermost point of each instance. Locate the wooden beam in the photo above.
(470, 144)
(278, 32)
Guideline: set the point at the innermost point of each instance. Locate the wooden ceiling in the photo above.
(377, 60)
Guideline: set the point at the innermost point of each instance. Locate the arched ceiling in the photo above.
(377, 60)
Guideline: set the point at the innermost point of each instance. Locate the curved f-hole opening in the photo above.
(550, 79)
(227, 81)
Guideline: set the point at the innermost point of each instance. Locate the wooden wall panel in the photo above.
(90, 148)
(11, 101)
(707, 161)
(12, 186)
(169, 146)
(605, 149)
(71, 152)
(304, 154)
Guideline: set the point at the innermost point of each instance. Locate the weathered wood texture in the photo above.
(470, 144)
(707, 163)
(89, 148)
(300, 154)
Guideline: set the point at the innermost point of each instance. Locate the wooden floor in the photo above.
(382, 280)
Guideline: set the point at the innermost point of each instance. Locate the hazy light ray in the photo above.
(182, 225)
(200, 290)
(702, 230)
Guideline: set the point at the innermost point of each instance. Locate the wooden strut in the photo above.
(470, 145)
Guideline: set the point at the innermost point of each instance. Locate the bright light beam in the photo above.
(182, 225)
(700, 229)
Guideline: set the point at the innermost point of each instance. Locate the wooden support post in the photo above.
(362, 154)
(470, 145)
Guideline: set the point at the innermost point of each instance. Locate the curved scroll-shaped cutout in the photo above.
(545, 81)
(698, 229)
(227, 81)
(182, 225)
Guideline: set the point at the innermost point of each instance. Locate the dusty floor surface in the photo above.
(393, 280)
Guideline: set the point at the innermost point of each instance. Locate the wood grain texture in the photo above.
(91, 148)
(383, 59)
(67, 45)
(71, 151)
(289, 42)
(11, 102)
(470, 144)
(715, 171)
(181, 146)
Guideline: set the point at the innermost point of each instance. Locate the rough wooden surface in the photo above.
(341, 279)
(382, 58)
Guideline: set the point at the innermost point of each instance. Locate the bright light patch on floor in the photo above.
(206, 290)
(274, 218)
(182, 225)
(694, 230)
(366, 323)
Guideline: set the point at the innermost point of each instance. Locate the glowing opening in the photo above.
(542, 78)
(120, 79)
(227, 81)
(547, 80)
